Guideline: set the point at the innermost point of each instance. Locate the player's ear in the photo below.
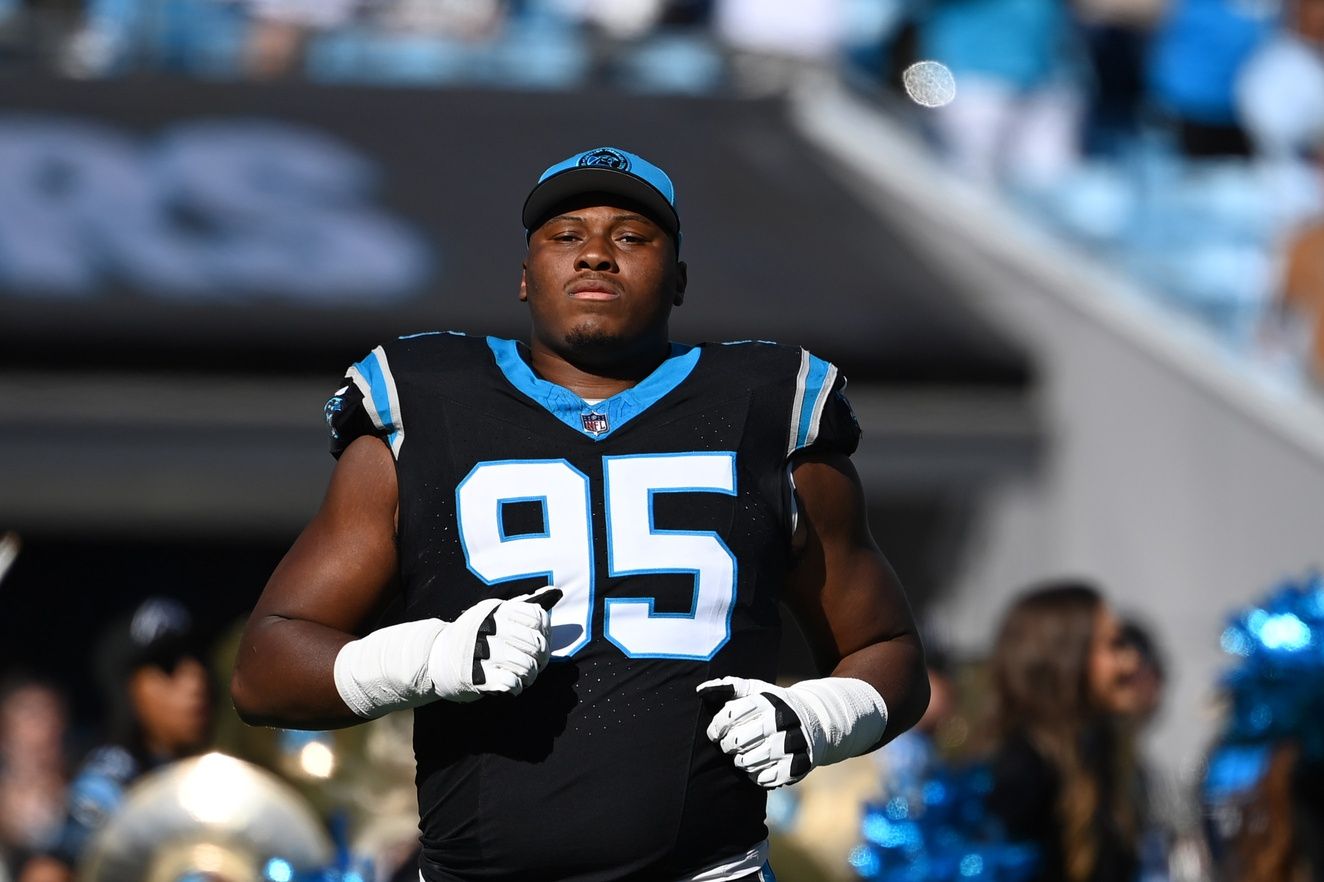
(524, 282)
(682, 279)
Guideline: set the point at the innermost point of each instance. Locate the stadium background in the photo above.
(208, 209)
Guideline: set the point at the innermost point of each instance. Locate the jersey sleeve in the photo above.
(366, 403)
(822, 419)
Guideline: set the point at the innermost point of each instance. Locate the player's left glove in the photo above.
(776, 735)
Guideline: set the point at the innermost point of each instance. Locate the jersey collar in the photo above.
(572, 410)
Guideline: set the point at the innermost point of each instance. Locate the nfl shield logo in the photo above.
(595, 423)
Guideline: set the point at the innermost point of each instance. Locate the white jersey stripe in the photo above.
(800, 379)
(751, 861)
(365, 389)
(397, 438)
(820, 403)
(375, 381)
(813, 386)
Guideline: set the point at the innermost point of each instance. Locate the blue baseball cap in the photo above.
(605, 170)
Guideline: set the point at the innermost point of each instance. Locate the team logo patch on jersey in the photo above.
(334, 406)
(594, 423)
(605, 157)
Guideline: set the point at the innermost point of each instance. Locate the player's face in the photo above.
(601, 281)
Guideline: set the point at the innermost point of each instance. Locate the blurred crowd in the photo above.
(1177, 140)
(65, 777)
(1181, 141)
(1029, 765)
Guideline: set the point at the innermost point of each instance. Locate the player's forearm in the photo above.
(895, 667)
(324, 678)
(777, 734)
(284, 675)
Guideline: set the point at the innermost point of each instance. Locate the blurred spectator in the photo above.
(279, 29)
(1280, 91)
(648, 45)
(1017, 112)
(618, 19)
(907, 760)
(1280, 100)
(1292, 335)
(1269, 830)
(1063, 676)
(1302, 305)
(1151, 672)
(1116, 37)
(1156, 834)
(159, 698)
(810, 30)
(118, 37)
(1198, 52)
(1264, 784)
(470, 20)
(107, 39)
(775, 41)
(33, 722)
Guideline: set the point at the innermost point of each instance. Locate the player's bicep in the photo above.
(342, 568)
(840, 588)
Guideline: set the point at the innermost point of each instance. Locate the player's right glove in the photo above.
(494, 647)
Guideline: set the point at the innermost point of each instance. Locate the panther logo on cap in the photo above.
(605, 157)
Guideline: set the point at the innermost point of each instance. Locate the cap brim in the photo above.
(574, 181)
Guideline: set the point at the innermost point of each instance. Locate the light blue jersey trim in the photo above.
(535, 534)
(570, 409)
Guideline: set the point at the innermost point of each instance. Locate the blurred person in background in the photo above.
(33, 772)
(1280, 100)
(1063, 680)
(775, 42)
(159, 700)
(1151, 672)
(278, 31)
(1263, 787)
(1302, 299)
(1268, 829)
(1196, 56)
(1280, 90)
(1156, 832)
(1116, 35)
(1282, 97)
(1016, 117)
(1293, 331)
(908, 761)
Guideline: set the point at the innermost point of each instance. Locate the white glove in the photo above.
(776, 735)
(495, 646)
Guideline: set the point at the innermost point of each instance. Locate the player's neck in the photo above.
(593, 379)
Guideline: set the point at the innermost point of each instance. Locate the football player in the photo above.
(592, 532)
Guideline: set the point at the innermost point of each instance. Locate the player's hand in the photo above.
(495, 646)
(765, 729)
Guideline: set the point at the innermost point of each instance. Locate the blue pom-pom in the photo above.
(1276, 687)
(935, 827)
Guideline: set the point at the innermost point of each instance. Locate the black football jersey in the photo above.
(663, 514)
